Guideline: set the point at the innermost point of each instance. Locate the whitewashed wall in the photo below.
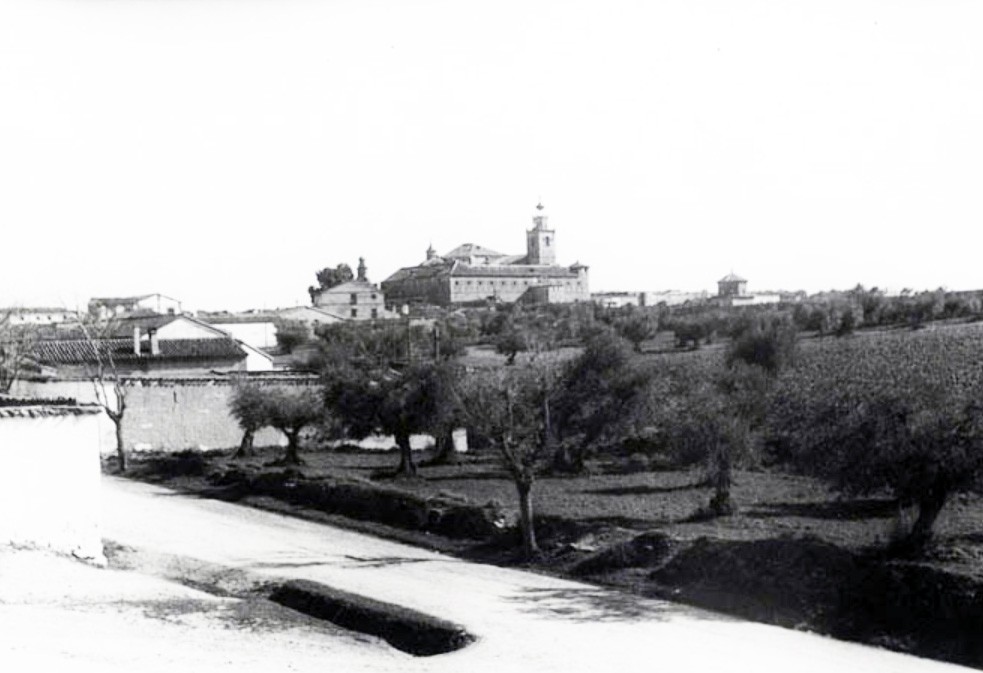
(49, 484)
(164, 415)
(256, 334)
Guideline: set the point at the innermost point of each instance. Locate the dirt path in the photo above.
(58, 614)
(523, 621)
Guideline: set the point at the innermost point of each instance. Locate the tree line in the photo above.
(895, 415)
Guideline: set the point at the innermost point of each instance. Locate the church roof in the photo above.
(434, 269)
(471, 250)
(732, 278)
(461, 270)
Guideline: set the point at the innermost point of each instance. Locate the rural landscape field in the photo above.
(526, 335)
(820, 481)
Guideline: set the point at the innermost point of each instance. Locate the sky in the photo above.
(222, 151)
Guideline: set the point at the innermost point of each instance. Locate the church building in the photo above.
(472, 273)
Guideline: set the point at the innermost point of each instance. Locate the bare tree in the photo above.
(109, 390)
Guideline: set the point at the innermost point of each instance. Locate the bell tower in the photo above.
(540, 240)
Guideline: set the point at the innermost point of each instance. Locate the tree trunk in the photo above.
(568, 461)
(526, 520)
(720, 503)
(406, 465)
(930, 504)
(292, 455)
(444, 453)
(245, 447)
(120, 450)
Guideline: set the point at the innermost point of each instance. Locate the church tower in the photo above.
(540, 240)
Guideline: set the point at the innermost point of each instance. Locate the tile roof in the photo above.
(83, 351)
(471, 250)
(420, 272)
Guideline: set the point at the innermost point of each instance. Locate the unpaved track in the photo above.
(524, 621)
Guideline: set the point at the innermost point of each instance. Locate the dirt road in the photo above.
(523, 621)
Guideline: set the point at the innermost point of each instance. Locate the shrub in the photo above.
(772, 349)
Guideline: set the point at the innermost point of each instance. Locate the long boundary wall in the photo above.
(175, 414)
(169, 414)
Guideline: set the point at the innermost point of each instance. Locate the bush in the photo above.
(771, 349)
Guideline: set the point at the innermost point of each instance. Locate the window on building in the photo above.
(375, 313)
(547, 241)
(354, 299)
(354, 312)
(373, 297)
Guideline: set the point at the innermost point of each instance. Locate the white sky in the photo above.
(221, 151)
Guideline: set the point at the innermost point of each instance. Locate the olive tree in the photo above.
(510, 409)
(392, 402)
(602, 397)
(291, 409)
(250, 408)
(900, 415)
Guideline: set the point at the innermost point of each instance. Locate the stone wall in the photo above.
(49, 484)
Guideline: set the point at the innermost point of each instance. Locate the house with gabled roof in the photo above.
(356, 299)
(165, 329)
(81, 358)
